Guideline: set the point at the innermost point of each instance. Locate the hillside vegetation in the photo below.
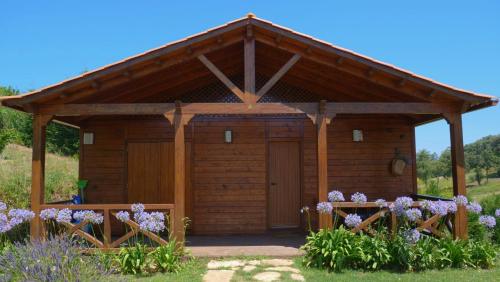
(15, 176)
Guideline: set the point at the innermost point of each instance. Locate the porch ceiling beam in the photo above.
(222, 77)
(277, 76)
(241, 108)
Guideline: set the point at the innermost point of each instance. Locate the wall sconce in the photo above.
(228, 136)
(88, 138)
(357, 135)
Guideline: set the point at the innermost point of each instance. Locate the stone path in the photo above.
(265, 270)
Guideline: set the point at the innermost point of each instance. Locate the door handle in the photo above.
(273, 183)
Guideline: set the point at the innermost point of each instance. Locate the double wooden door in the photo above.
(284, 184)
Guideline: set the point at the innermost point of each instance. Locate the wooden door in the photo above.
(150, 173)
(284, 184)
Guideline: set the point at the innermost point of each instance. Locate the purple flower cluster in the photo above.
(413, 214)
(324, 208)
(13, 218)
(152, 222)
(401, 205)
(21, 215)
(3, 206)
(497, 212)
(48, 214)
(460, 200)
(352, 220)
(64, 215)
(381, 203)
(336, 196)
(474, 207)
(359, 198)
(441, 208)
(487, 220)
(411, 236)
(88, 215)
(123, 216)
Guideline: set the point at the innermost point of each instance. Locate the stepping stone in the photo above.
(253, 262)
(297, 277)
(283, 269)
(213, 264)
(277, 262)
(267, 276)
(218, 276)
(249, 268)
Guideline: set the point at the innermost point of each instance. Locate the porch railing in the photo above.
(109, 210)
(435, 225)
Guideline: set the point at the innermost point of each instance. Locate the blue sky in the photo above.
(455, 42)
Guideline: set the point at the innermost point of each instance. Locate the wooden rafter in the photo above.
(222, 77)
(277, 76)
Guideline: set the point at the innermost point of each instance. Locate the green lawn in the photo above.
(196, 268)
(474, 191)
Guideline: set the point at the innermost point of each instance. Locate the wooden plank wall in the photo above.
(229, 181)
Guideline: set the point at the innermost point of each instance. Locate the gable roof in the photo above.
(313, 49)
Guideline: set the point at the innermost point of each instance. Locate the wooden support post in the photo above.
(249, 50)
(107, 228)
(322, 120)
(179, 120)
(458, 171)
(38, 173)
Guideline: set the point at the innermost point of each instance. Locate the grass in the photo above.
(196, 268)
(15, 176)
(474, 191)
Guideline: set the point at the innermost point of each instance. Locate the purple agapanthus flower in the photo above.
(426, 205)
(324, 208)
(413, 214)
(497, 212)
(411, 236)
(336, 196)
(460, 200)
(452, 207)
(64, 215)
(4, 223)
(359, 198)
(381, 203)
(48, 214)
(15, 221)
(137, 208)
(439, 208)
(3, 206)
(89, 215)
(487, 220)
(22, 215)
(404, 202)
(152, 225)
(158, 216)
(474, 207)
(123, 216)
(352, 220)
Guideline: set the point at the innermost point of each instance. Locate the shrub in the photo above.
(133, 260)
(56, 259)
(374, 252)
(168, 258)
(453, 253)
(329, 249)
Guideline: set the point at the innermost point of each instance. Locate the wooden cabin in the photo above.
(241, 125)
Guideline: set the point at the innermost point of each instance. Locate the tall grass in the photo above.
(61, 174)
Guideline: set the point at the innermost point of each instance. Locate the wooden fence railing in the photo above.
(430, 224)
(108, 211)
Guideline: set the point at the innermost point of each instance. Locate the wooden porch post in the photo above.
(458, 172)
(325, 221)
(38, 172)
(179, 120)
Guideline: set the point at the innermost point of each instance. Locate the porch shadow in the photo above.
(274, 244)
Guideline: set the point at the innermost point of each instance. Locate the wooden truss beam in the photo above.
(241, 108)
(222, 77)
(277, 76)
(249, 62)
